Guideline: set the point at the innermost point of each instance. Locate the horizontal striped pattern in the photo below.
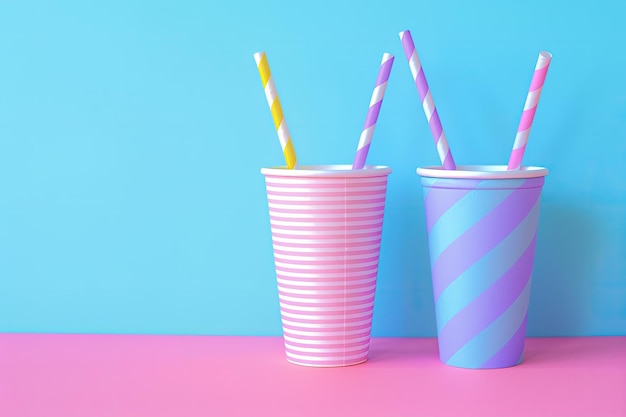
(482, 236)
(326, 234)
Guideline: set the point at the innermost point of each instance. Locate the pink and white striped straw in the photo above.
(530, 107)
(445, 155)
(373, 111)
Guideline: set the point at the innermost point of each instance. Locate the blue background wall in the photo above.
(132, 134)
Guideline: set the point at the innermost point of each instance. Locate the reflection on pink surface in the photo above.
(119, 375)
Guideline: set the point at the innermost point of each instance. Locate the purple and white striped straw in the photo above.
(427, 101)
(373, 111)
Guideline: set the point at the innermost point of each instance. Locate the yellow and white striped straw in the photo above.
(277, 112)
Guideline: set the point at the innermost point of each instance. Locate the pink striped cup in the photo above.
(326, 223)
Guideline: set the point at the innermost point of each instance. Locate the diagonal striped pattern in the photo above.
(277, 111)
(443, 150)
(482, 236)
(530, 107)
(372, 113)
(326, 233)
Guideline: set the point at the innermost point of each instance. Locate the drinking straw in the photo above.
(445, 155)
(373, 111)
(277, 112)
(530, 107)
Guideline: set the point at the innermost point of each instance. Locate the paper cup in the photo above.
(326, 224)
(482, 228)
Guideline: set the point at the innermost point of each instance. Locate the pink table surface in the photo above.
(122, 375)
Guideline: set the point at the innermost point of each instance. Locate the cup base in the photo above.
(483, 368)
(323, 365)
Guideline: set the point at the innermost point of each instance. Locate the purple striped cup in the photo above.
(326, 223)
(482, 229)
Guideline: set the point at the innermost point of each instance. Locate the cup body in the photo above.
(482, 228)
(326, 224)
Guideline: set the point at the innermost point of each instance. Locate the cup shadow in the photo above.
(390, 350)
(567, 242)
(554, 351)
(404, 305)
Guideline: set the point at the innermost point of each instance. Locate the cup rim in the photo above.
(338, 170)
(495, 172)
